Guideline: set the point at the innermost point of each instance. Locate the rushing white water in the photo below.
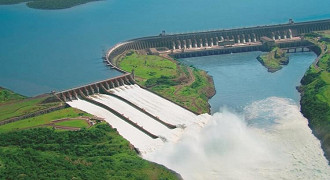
(270, 140)
(160, 107)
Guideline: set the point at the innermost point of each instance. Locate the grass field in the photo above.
(45, 119)
(147, 67)
(184, 85)
(26, 106)
(95, 153)
(7, 96)
(315, 97)
(80, 123)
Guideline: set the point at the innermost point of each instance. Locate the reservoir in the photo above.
(42, 50)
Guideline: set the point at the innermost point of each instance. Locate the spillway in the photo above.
(151, 115)
(159, 106)
(138, 117)
(139, 139)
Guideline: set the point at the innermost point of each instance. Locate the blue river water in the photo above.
(240, 79)
(42, 50)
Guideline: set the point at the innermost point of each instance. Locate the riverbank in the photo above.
(274, 59)
(186, 86)
(47, 4)
(315, 91)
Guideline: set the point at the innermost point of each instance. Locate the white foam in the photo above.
(271, 140)
(141, 119)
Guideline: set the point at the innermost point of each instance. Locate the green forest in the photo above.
(95, 153)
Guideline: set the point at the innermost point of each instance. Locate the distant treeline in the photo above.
(47, 4)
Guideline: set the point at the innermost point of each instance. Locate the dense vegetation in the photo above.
(96, 153)
(48, 4)
(27, 106)
(274, 59)
(7, 96)
(184, 85)
(315, 96)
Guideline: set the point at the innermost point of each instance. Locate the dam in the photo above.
(240, 40)
(281, 146)
(148, 120)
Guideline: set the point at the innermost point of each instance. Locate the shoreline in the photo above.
(311, 107)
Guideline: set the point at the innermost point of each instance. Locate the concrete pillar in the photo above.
(206, 42)
(70, 96)
(107, 85)
(179, 44)
(173, 45)
(75, 94)
(200, 43)
(117, 82)
(189, 43)
(217, 41)
(273, 36)
(112, 85)
(211, 40)
(97, 88)
(243, 38)
(195, 43)
(87, 93)
(249, 38)
(93, 92)
(290, 34)
(184, 44)
(63, 96)
(122, 81)
(238, 39)
(221, 38)
(254, 37)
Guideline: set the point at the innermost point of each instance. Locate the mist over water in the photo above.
(240, 146)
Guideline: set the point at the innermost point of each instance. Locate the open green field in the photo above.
(26, 106)
(148, 67)
(80, 123)
(47, 4)
(274, 59)
(95, 153)
(7, 96)
(46, 119)
(315, 97)
(184, 85)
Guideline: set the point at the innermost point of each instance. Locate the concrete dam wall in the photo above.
(212, 38)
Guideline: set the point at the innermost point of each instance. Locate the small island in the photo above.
(47, 4)
(274, 60)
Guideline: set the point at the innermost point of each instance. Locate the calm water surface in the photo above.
(43, 50)
(240, 79)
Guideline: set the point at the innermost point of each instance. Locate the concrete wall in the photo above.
(211, 38)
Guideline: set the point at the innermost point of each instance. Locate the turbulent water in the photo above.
(270, 140)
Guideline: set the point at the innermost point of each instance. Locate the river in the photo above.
(256, 130)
